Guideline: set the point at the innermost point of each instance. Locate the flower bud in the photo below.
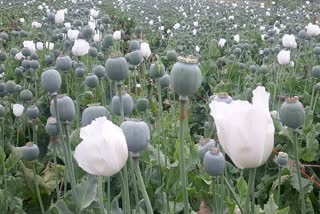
(157, 69)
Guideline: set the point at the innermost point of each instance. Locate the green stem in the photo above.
(37, 188)
(233, 193)
(252, 173)
(66, 153)
(4, 168)
(142, 186)
(303, 209)
(126, 195)
(56, 170)
(100, 195)
(134, 181)
(279, 187)
(183, 180)
(109, 195)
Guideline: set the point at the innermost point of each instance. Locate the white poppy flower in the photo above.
(236, 38)
(221, 43)
(245, 131)
(36, 24)
(94, 13)
(17, 109)
(39, 46)
(59, 17)
(72, 34)
(117, 35)
(313, 30)
(145, 49)
(80, 47)
(30, 45)
(284, 57)
(289, 41)
(103, 150)
(50, 46)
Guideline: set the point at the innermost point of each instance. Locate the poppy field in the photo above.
(159, 106)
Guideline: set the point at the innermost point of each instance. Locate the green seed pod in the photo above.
(316, 51)
(33, 112)
(172, 55)
(66, 108)
(263, 69)
(93, 112)
(157, 70)
(63, 63)
(204, 146)
(80, 71)
(93, 52)
(26, 52)
(214, 162)
(18, 72)
(91, 80)
(165, 81)
(133, 46)
(14, 51)
(34, 64)
(117, 67)
(253, 68)
(10, 87)
(185, 77)
(26, 95)
(136, 57)
(26, 64)
(3, 56)
(292, 113)
(52, 127)
(87, 32)
(51, 81)
(316, 72)
(107, 42)
(88, 95)
(137, 135)
(142, 104)
(100, 71)
(48, 59)
(282, 159)
(30, 152)
(127, 104)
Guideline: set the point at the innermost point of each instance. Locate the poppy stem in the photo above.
(303, 208)
(37, 188)
(250, 190)
(183, 175)
(126, 196)
(141, 185)
(100, 194)
(231, 189)
(279, 187)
